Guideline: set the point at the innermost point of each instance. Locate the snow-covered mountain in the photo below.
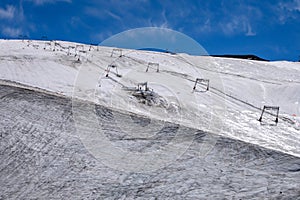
(238, 88)
(107, 82)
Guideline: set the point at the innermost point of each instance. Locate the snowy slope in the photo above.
(48, 134)
(42, 158)
(238, 88)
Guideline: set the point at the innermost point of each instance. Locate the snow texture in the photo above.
(48, 90)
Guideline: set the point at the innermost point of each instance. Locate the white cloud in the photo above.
(206, 27)
(240, 19)
(297, 5)
(13, 22)
(234, 26)
(8, 12)
(101, 14)
(113, 15)
(238, 25)
(250, 31)
(42, 2)
(290, 6)
(162, 22)
(165, 23)
(11, 32)
(288, 10)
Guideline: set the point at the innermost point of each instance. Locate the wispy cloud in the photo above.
(238, 26)
(102, 14)
(288, 10)
(165, 23)
(297, 7)
(117, 17)
(206, 26)
(125, 14)
(290, 6)
(240, 20)
(226, 17)
(13, 21)
(42, 2)
(11, 32)
(11, 17)
(8, 12)
(160, 22)
(250, 32)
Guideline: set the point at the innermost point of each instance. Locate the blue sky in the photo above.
(269, 29)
